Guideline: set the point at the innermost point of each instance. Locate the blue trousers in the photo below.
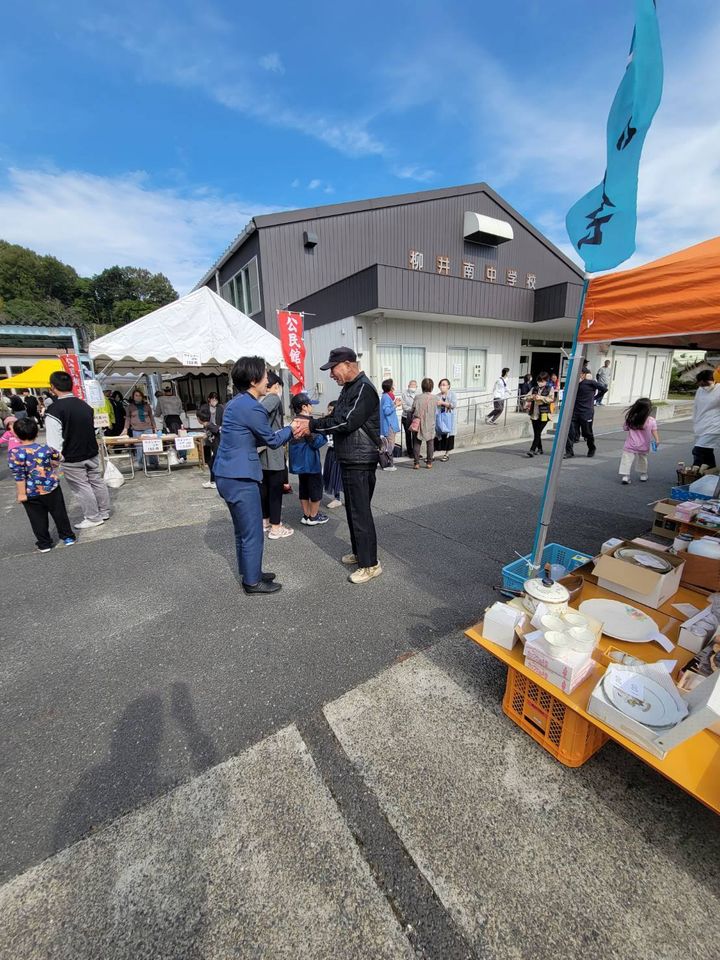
(244, 503)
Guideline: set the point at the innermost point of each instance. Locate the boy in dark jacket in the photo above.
(305, 462)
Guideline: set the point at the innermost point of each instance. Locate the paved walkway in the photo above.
(327, 773)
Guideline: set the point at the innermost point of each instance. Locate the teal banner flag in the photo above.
(602, 224)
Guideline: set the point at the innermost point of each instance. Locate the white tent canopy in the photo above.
(201, 332)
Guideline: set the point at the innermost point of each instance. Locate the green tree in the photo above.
(25, 275)
(119, 295)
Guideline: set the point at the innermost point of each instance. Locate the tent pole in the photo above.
(552, 479)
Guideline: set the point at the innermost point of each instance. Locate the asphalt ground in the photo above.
(133, 661)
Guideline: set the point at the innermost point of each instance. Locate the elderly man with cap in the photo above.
(354, 426)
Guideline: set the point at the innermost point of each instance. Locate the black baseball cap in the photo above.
(339, 355)
(299, 400)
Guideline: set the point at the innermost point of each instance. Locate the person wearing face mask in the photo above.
(407, 399)
(706, 420)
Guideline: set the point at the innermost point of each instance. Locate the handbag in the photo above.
(415, 424)
(385, 453)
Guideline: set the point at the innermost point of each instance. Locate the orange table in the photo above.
(694, 765)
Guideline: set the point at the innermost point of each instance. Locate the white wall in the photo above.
(638, 371)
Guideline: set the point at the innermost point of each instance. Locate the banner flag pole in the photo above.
(552, 478)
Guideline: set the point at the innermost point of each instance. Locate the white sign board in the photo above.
(457, 371)
(152, 444)
(101, 420)
(184, 443)
(190, 360)
(478, 371)
(94, 394)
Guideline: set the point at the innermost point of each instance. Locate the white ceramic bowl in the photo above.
(551, 622)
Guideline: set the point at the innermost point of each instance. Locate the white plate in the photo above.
(643, 559)
(649, 703)
(620, 620)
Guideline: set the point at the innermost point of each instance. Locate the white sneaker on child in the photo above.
(643, 477)
(626, 479)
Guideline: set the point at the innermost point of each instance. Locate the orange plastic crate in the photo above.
(564, 734)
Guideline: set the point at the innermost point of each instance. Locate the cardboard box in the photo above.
(703, 572)
(662, 527)
(641, 584)
(499, 625)
(701, 622)
(562, 682)
(567, 665)
(703, 704)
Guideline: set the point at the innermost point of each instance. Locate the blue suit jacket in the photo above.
(245, 427)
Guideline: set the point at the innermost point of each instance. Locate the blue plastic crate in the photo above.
(683, 493)
(517, 572)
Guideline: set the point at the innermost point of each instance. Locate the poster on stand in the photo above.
(184, 443)
(152, 444)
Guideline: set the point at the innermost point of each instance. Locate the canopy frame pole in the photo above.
(552, 478)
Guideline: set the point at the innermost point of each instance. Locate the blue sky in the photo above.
(149, 132)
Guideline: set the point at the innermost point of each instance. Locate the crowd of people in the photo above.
(251, 451)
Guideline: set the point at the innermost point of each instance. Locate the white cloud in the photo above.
(415, 172)
(272, 63)
(314, 184)
(95, 222)
(545, 142)
(194, 52)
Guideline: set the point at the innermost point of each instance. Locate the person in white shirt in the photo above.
(501, 392)
(706, 420)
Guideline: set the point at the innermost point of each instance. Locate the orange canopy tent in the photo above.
(674, 301)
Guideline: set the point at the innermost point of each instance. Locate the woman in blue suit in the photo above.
(238, 472)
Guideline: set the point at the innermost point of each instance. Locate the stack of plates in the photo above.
(642, 698)
(620, 620)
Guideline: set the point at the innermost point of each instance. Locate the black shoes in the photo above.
(591, 453)
(568, 456)
(264, 586)
(267, 577)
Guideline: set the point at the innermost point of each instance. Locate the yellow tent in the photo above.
(35, 377)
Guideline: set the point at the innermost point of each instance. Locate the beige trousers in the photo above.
(626, 463)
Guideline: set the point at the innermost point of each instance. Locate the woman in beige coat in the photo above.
(423, 411)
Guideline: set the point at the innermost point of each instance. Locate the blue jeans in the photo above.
(245, 505)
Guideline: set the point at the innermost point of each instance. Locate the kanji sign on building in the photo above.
(290, 326)
(530, 281)
(468, 270)
(415, 260)
(442, 265)
(491, 274)
(511, 277)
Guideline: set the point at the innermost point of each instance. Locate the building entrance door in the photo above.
(621, 388)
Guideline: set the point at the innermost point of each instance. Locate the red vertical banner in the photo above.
(72, 366)
(293, 346)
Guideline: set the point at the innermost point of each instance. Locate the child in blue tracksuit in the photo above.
(305, 462)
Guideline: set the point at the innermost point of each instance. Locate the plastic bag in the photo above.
(112, 476)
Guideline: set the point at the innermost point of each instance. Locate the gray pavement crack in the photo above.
(429, 927)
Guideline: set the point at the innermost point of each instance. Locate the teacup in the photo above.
(557, 639)
(581, 639)
(572, 619)
(551, 622)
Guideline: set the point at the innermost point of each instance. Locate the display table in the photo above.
(694, 529)
(168, 440)
(694, 765)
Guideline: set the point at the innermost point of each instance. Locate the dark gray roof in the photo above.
(376, 203)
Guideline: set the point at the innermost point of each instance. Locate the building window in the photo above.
(243, 290)
(467, 368)
(400, 364)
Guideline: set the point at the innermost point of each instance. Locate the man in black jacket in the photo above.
(355, 428)
(583, 413)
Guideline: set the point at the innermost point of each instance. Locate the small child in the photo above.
(641, 429)
(332, 477)
(9, 437)
(305, 462)
(34, 466)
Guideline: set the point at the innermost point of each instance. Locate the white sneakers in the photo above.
(349, 559)
(365, 574)
(86, 524)
(209, 485)
(626, 479)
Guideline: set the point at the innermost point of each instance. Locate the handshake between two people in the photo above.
(300, 427)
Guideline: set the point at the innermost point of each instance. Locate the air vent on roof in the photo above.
(477, 228)
(310, 240)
